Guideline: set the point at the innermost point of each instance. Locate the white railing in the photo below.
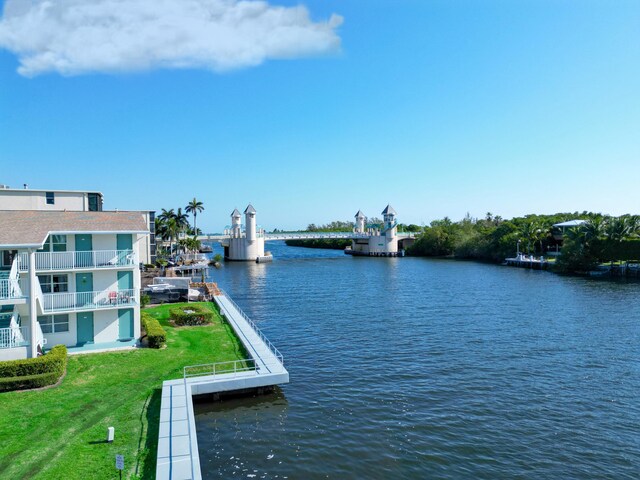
(40, 340)
(75, 301)
(13, 274)
(73, 260)
(264, 338)
(10, 288)
(14, 336)
(233, 367)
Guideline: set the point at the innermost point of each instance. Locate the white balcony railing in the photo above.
(9, 289)
(93, 259)
(78, 301)
(14, 336)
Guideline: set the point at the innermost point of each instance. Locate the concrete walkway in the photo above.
(178, 457)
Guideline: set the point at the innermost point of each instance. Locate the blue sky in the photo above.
(438, 107)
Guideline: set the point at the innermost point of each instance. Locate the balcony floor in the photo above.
(101, 347)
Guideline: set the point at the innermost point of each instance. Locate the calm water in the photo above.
(418, 368)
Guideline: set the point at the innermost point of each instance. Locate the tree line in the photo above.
(600, 238)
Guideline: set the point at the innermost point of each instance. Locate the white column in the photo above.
(33, 307)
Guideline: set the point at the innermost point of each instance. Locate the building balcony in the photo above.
(91, 260)
(83, 301)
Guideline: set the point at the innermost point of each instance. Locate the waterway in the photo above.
(422, 368)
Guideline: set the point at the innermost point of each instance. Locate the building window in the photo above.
(54, 283)
(54, 323)
(55, 243)
(51, 200)
(7, 257)
(95, 202)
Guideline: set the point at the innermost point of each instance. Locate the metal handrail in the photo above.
(256, 329)
(219, 368)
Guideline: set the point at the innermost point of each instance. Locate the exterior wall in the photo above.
(102, 242)
(242, 249)
(36, 200)
(65, 338)
(147, 243)
(18, 353)
(105, 326)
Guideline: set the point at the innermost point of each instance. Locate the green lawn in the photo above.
(59, 433)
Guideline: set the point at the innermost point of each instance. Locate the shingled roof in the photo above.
(30, 228)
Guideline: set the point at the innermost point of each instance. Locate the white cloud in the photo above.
(80, 36)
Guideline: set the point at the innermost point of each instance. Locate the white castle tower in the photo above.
(360, 222)
(390, 229)
(236, 223)
(247, 245)
(250, 223)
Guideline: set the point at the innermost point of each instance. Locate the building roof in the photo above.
(43, 190)
(570, 223)
(235, 213)
(389, 211)
(250, 209)
(360, 214)
(30, 228)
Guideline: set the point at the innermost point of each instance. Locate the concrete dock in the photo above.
(178, 457)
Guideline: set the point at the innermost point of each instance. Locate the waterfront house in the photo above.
(69, 278)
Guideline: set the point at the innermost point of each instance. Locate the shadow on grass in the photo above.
(150, 447)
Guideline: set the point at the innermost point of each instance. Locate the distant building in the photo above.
(378, 240)
(244, 243)
(28, 199)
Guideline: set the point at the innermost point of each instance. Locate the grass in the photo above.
(59, 432)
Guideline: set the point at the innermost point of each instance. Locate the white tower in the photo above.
(236, 223)
(360, 222)
(390, 229)
(250, 223)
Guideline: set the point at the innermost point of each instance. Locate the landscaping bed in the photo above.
(192, 314)
(59, 432)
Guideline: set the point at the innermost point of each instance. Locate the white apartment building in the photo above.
(69, 278)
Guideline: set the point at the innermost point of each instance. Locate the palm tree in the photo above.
(194, 207)
(182, 220)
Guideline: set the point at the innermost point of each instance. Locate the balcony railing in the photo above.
(78, 301)
(12, 337)
(94, 259)
(10, 288)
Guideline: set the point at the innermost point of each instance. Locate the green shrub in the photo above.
(33, 372)
(156, 335)
(191, 315)
(28, 381)
(144, 300)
